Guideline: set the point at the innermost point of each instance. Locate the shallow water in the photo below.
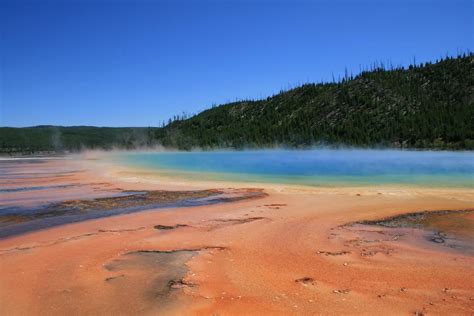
(318, 167)
(18, 220)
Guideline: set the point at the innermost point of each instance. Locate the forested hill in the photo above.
(38, 139)
(424, 106)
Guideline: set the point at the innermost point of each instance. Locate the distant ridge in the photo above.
(429, 106)
(47, 138)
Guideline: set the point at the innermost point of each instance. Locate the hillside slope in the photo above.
(425, 106)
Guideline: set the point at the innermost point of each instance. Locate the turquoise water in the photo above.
(318, 167)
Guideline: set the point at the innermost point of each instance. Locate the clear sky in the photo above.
(136, 63)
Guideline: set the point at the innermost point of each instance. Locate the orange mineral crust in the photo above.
(290, 251)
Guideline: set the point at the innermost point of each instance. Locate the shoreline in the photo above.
(284, 254)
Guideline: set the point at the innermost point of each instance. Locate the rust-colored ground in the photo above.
(290, 252)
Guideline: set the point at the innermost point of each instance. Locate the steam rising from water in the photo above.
(314, 167)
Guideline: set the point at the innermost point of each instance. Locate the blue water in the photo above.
(318, 167)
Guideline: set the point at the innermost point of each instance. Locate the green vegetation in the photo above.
(424, 106)
(30, 140)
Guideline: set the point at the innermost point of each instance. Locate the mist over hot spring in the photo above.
(317, 166)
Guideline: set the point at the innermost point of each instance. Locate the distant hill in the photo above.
(425, 106)
(38, 139)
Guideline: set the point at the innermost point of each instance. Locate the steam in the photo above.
(56, 141)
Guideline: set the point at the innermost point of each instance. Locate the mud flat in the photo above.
(451, 228)
(18, 220)
(290, 251)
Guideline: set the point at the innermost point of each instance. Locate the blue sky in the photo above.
(136, 63)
